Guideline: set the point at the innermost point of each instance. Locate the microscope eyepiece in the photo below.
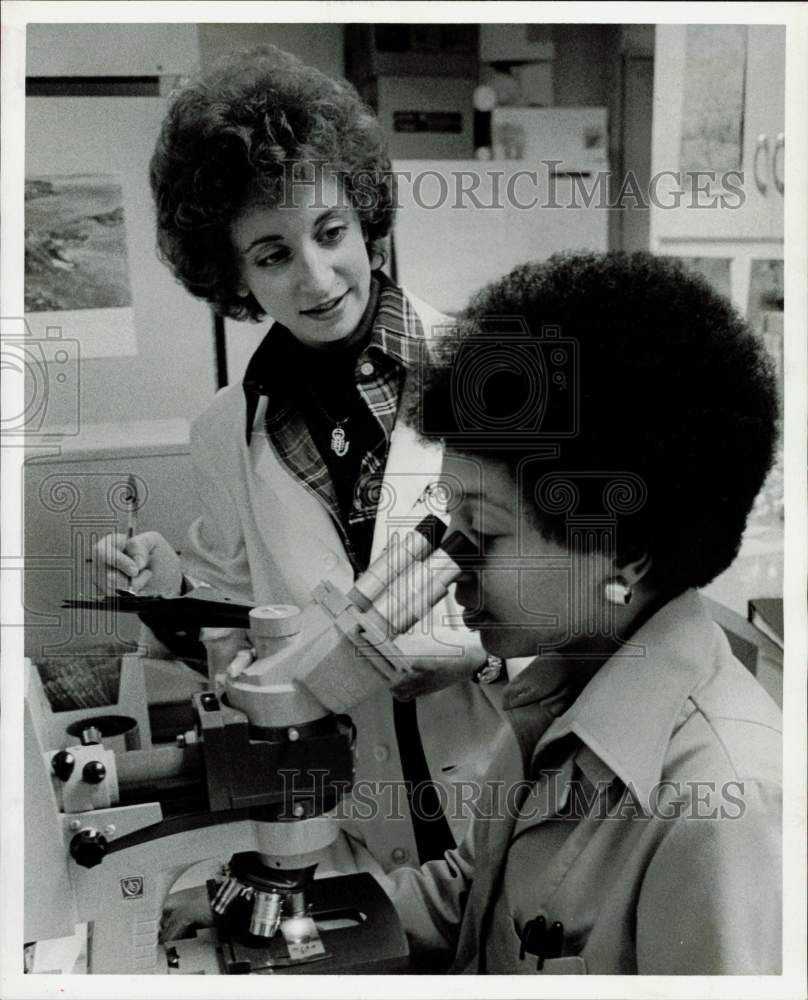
(459, 545)
(403, 551)
(433, 528)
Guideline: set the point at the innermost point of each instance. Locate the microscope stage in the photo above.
(358, 927)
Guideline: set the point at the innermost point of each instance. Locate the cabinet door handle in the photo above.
(761, 146)
(779, 147)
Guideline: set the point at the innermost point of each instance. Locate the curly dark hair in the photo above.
(670, 393)
(235, 135)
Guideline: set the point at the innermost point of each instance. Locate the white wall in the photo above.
(319, 45)
(111, 49)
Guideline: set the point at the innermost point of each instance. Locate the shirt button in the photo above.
(366, 368)
(399, 854)
(381, 752)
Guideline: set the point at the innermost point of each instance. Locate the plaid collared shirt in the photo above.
(394, 347)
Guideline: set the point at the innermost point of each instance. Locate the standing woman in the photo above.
(273, 191)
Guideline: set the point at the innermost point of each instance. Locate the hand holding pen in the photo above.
(142, 563)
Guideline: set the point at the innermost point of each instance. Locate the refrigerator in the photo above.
(463, 223)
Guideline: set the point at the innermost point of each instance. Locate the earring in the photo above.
(617, 592)
(242, 291)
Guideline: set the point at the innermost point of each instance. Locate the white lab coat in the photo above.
(263, 538)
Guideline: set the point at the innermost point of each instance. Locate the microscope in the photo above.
(259, 774)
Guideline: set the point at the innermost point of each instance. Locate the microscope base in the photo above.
(358, 927)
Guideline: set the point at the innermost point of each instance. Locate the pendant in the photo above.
(339, 445)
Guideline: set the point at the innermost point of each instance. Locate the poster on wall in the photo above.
(713, 100)
(89, 234)
(76, 258)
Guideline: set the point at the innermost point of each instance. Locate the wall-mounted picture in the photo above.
(75, 243)
(712, 112)
(88, 225)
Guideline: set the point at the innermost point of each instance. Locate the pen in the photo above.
(131, 500)
(542, 941)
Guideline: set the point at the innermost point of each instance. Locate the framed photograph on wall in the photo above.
(88, 217)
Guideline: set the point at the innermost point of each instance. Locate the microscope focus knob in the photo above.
(88, 848)
(93, 772)
(62, 764)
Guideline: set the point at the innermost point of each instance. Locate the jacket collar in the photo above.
(396, 334)
(626, 713)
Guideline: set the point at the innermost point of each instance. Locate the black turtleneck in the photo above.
(327, 395)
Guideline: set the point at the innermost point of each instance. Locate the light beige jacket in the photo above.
(668, 861)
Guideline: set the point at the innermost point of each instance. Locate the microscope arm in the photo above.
(124, 896)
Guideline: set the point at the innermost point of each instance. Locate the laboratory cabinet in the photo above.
(719, 108)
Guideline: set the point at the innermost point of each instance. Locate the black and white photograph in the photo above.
(404, 549)
(75, 246)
